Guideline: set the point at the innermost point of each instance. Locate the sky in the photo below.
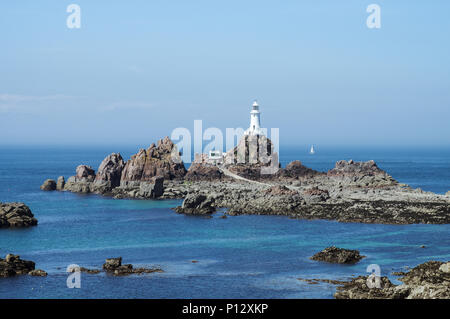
(136, 70)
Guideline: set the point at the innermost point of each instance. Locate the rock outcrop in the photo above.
(114, 266)
(338, 255)
(110, 170)
(162, 159)
(49, 185)
(204, 172)
(430, 280)
(253, 158)
(60, 183)
(316, 195)
(12, 265)
(16, 215)
(361, 174)
(196, 204)
(84, 173)
(297, 170)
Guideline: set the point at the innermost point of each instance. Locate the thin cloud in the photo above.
(15, 102)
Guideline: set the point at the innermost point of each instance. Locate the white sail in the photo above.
(312, 151)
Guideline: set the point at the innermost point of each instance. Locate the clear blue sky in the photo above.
(138, 69)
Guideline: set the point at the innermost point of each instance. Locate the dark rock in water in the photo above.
(338, 255)
(196, 204)
(16, 215)
(112, 263)
(430, 280)
(38, 273)
(12, 265)
(49, 185)
(110, 170)
(162, 159)
(60, 183)
(114, 266)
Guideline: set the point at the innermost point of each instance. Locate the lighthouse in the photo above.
(255, 122)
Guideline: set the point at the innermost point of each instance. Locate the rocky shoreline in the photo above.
(12, 265)
(350, 192)
(430, 280)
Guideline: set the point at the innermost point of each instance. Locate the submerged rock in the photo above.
(48, 185)
(338, 255)
(114, 266)
(12, 265)
(38, 273)
(16, 215)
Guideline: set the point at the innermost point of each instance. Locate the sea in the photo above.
(237, 257)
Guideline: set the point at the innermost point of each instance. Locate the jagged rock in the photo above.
(38, 273)
(253, 158)
(114, 266)
(49, 185)
(84, 173)
(426, 281)
(203, 172)
(16, 215)
(297, 170)
(196, 204)
(110, 170)
(60, 183)
(338, 255)
(162, 159)
(12, 265)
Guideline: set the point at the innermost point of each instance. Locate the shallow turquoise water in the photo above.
(238, 257)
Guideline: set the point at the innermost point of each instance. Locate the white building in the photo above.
(255, 121)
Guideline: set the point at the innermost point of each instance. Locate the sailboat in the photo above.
(312, 151)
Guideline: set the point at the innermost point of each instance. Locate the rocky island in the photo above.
(350, 192)
(16, 215)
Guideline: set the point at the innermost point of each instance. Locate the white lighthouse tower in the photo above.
(255, 122)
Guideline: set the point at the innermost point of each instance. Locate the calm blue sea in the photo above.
(238, 257)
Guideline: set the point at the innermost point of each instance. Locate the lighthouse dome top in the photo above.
(255, 103)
